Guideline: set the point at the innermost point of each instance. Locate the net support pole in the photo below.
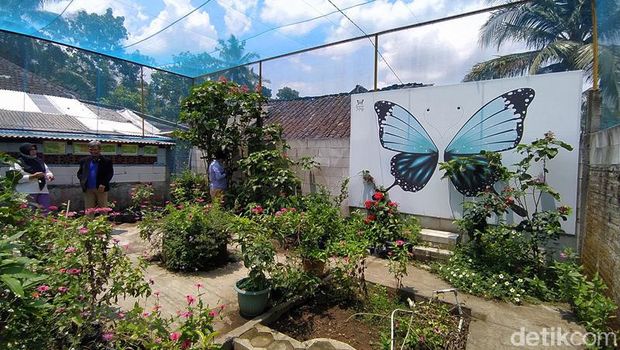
(594, 46)
(142, 97)
(376, 61)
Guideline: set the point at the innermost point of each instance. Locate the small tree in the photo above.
(222, 116)
(286, 93)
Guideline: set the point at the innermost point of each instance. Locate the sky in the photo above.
(436, 54)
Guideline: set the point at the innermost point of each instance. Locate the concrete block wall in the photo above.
(333, 156)
(600, 250)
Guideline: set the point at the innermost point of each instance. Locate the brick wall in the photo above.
(600, 250)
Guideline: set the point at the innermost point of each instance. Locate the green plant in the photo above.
(194, 236)
(257, 251)
(593, 308)
(189, 187)
(398, 261)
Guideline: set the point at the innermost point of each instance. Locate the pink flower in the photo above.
(156, 293)
(71, 214)
(174, 336)
(74, 271)
(52, 208)
(199, 285)
(89, 211)
(83, 230)
(278, 213)
(392, 204)
(103, 210)
(180, 206)
(157, 340)
(186, 314)
(257, 210)
(186, 344)
(199, 200)
(107, 336)
(222, 79)
(213, 313)
(43, 288)
(400, 242)
(190, 299)
(23, 205)
(156, 308)
(63, 270)
(63, 289)
(115, 240)
(563, 255)
(146, 314)
(70, 250)
(120, 315)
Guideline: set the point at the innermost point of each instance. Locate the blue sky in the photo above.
(437, 54)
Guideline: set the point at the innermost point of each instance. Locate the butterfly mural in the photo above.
(496, 127)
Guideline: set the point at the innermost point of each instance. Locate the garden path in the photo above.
(494, 324)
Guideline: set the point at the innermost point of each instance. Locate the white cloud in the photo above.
(195, 33)
(281, 12)
(236, 18)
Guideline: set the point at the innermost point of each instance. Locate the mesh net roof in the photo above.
(198, 37)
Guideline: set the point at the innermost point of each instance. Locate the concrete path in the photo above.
(494, 324)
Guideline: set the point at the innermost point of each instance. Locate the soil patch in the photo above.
(324, 317)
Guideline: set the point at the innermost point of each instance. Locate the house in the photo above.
(62, 128)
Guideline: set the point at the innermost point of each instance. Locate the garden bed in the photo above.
(364, 323)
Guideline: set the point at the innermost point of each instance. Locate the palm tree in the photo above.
(232, 53)
(558, 34)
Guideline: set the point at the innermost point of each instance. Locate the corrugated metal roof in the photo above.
(27, 134)
(106, 113)
(39, 121)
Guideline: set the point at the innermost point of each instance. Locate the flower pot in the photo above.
(314, 267)
(251, 303)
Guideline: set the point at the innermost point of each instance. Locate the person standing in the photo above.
(95, 173)
(35, 176)
(217, 177)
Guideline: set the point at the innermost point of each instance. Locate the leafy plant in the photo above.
(194, 236)
(257, 251)
(189, 187)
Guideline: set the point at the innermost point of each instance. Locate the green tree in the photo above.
(286, 93)
(558, 34)
(232, 53)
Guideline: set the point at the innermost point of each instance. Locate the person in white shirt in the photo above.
(35, 176)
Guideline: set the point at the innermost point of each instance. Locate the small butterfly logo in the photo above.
(359, 105)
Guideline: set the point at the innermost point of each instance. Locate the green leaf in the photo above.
(13, 284)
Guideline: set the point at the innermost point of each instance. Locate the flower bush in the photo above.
(189, 187)
(257, 251)
(193, 236)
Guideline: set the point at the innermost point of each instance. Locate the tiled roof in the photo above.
(312, 117)
(14, 77)
(39, 121)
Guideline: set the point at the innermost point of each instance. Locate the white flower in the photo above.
(473, 284)
(494, 284)
(501, 276)
(471, 260)
(507, 283)
(518, 294)
(517, 300)
(512, 290)
(520, 280)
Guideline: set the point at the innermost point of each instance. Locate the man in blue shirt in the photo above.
(217, 177)
(95, 174)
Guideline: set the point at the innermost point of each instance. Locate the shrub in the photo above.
(257, 251)
(188, 187)
(194, 236)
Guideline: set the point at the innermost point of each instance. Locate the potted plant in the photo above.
(258, 257)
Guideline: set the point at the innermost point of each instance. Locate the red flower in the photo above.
(368, 203)
(43, 288)
(186, 344)
(392, 204)
(378, 196)
(222, 79)
(399, 242)
(52, 208)
(510, 201)
(257, 210)
(564, 210)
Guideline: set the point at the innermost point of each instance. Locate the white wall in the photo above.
(442, 111)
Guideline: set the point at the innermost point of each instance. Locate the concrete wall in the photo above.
(333, 156)
(600, 250)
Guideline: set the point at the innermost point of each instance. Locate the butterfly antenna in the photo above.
(392, 185)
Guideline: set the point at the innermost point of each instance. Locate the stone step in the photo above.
(423, 253)
(439, 239)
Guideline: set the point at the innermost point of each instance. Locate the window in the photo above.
(150, 150)
(82, 148)
(54, 147)
(129, 150)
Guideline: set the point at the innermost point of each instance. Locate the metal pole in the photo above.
(376, 60)
(594, 46)
(260, 77)
(142, 97)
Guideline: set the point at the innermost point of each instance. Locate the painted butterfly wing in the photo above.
(412, 171)
(496, 127)
(401, 132)
(476, 177)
